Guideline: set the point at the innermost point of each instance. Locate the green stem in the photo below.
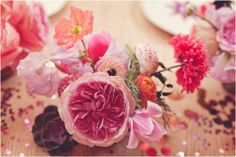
(172, 67)
(83, 43)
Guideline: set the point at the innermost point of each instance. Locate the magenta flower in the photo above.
(95, 109)
(97, 44)
(40, 74)
(143, 126)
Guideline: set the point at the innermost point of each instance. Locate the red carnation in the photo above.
(192, 54)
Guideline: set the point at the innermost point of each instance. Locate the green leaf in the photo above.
(135, 91)
(134, 67)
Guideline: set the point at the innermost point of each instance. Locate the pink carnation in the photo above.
(95, 109)
(191, 53)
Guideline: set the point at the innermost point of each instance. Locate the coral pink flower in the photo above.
(192, 54)
(95, 109)
(147, 58)
(68, 32)
(144, 127)
(10, 41)
(40, 74)
(6, 7)
(31, 23)
(98, 44)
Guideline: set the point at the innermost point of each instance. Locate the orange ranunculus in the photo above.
(147, 89)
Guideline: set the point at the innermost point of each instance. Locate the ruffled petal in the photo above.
(153, 109)
(133, 140)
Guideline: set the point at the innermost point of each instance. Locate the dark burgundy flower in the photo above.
(50, 133)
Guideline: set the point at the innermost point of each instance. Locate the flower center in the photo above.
(76, 30)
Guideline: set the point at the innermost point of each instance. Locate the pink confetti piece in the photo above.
(180, 154)
(165, 150)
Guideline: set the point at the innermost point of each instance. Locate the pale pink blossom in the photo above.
(147, 58)
(143, 126)
(67, 60)
(223, 68)
(112, 65)
(95, 109)
(10, 41)
(40, 74)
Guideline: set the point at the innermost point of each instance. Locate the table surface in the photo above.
(126, 23)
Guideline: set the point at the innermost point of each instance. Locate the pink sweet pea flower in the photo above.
(40, 74)
(68, 32)
(144, 127)
(10, 41)
(98, 44)
(67, 61)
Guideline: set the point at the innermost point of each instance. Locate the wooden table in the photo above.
(126, 23)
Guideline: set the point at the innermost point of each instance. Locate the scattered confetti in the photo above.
(27, 145)
(165, 150)
(151, 151)
(184, 142)
(26, 121)
(53, 96)
(221, 151)
(8, 151)
(180, 154)
(197, 154)
(191, 114)
(21, 155)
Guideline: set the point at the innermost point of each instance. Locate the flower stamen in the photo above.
(76, 30)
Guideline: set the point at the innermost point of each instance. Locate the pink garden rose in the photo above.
(10, 41)
(95, 109)
(226, 35)
(40, 73)
(97, 44)
(30, 21)
(143, 126)
(147, 58)
(223, 68)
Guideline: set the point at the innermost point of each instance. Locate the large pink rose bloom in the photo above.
(10, 41)
(96, 108)
(31, 23)
(226, 35)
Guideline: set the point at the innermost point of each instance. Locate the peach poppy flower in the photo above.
(68, 32)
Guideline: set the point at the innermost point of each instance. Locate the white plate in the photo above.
(52, 6)
(161, 14)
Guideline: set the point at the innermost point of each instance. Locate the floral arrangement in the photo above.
(216, 29)
(108, 91)
(24, 28)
